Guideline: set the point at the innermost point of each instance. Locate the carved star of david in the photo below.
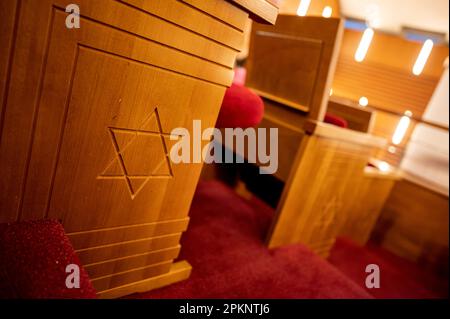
(330, 210)
(131, 146)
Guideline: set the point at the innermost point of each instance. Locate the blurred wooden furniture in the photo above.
(293, 62)
(370, 192)
(86, 120)
(414, 224)
(358, 118)
(320, 188)
(291, 65)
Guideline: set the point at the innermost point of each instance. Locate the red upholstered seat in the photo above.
(240, 108)
(33, 260)
(335, 120)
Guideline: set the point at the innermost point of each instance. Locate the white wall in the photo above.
(427, 155)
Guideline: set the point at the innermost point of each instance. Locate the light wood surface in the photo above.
(317, 196)
(260, 10)
(86, 121)
(414, 224)
(293, 62)
(371, 191)
(358, 118)
(179, 271)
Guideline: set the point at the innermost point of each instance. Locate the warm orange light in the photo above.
(363, 101)
(327, 12)
(402, 128)
(423, 57)
(303, 7)
(364, 45)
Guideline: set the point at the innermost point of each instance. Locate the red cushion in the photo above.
(240, 108)
(335, 120)
(33, 260)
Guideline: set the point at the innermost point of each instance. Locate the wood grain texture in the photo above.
(358, 118)
(179, 271)
(414, 224)
(316, 197)
(293, 63)
(105, 268)
(261, 10)
(371, 191)
(9, 16)
(223, 11)
(87, 118)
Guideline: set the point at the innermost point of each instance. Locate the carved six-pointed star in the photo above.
(140, 154)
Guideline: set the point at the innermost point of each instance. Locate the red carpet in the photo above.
(399, 278)
(224, 244)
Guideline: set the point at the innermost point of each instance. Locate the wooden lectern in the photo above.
(320, 164)
(86, 122)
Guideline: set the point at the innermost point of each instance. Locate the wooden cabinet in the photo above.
(321, 186)
(87, 116)
(371, 190)
(414, 224)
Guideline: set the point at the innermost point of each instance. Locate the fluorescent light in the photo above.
(423, 57)
(402, 128)
(303, 7)
(327, 12)
(384, 167)
(364, 45)
(363, 101)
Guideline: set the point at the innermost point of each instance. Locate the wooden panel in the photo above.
(394, 52)
(112, 235)
(185, 17)
(385, 76)
(124, 111)
(8, 23)
(24, 97)
(125, 249)
(415, 225)
(222, 10)
(261, 10)
(146, 25)
(293, 63)
(113, 266)
(370, 193)
(391, 89)
(178, 272)
(87, 120)
(358, 118)
(314, 203)
(290, 133)
(119, 279)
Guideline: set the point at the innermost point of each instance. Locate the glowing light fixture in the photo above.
(331, 92)
(364, 45)
(423, 57)
(303, 7)
(392, 149)
(327, 12)
(384, 167)
(402, 128)
(363, 101)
